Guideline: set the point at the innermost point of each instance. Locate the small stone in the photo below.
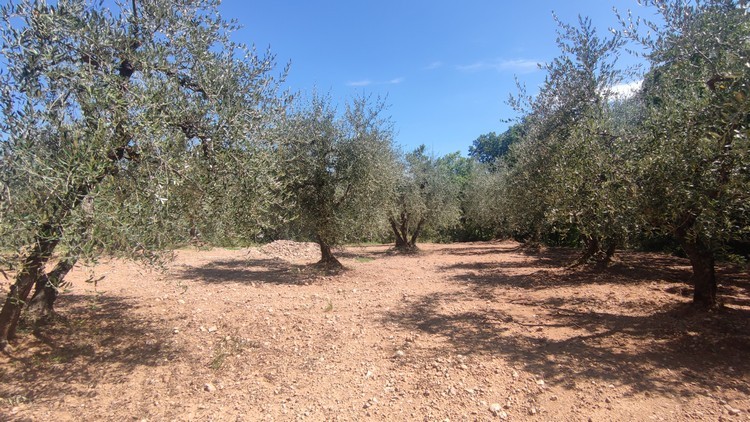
(399, 354)
(212, 329)
(514, 374)
(463, 366)
(607, 400)
(209, 387)
(553, 398)
(532, 411)
(495, 408)
(181, 302)
(176, 331)
(540, 383)
(732, 411)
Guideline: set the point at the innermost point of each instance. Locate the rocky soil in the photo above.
(462, 332)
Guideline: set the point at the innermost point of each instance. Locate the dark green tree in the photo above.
(489, 147)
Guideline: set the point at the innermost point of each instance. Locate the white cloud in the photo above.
(368, 82)
(434, 65)
(364, 82)
(498, 65)
(626, 90)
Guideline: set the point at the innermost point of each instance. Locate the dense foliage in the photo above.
(669, 162)
(339, 171)
(103, 114)
(426, 198)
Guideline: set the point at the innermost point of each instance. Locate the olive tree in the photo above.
(426, 198)
(564, 177)
(339, 170)
(694, 147)
(101, 109)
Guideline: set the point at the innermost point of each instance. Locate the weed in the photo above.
(218, 361)
(364, 259)
(231, 345)
(16, 400)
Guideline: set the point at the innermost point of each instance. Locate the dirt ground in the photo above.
(461, 332)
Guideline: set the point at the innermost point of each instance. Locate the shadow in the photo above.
(489, 249)
(98, 338)
(365, 252)
(657, 352)
(631, 268)
(650, 344)
(270, 271)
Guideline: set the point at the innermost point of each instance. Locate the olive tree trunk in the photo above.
(327, 259)
(31, 270)
(47, 288)
(404, 240)
(704, 274)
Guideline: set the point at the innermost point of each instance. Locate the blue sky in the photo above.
(446, 67)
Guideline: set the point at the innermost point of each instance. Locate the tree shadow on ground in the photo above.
(631, 268)
(658, 352)
(270, 271)
(641, 342)
(365, 252)
(486, 249)
(95, 338)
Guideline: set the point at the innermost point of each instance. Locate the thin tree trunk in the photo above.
(326, 256)
(47, 238)
(415, 235)
(405, 228)
(47, 286)
(400, 240)
(704, 273)
(592, 247)
(604, 257)
(610, 252)
(31, 270)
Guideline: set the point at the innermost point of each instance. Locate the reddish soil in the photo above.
(475, 331)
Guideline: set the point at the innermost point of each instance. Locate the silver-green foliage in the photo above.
(695, 153)
(694, 148)
(104, 111)
(337, 169)
(112, 106)
(427, 197)
(565, 177)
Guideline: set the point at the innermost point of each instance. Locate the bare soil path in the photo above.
(461, 332)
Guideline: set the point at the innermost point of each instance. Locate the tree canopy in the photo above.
(101, 110)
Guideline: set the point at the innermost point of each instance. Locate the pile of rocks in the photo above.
(291, 250)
